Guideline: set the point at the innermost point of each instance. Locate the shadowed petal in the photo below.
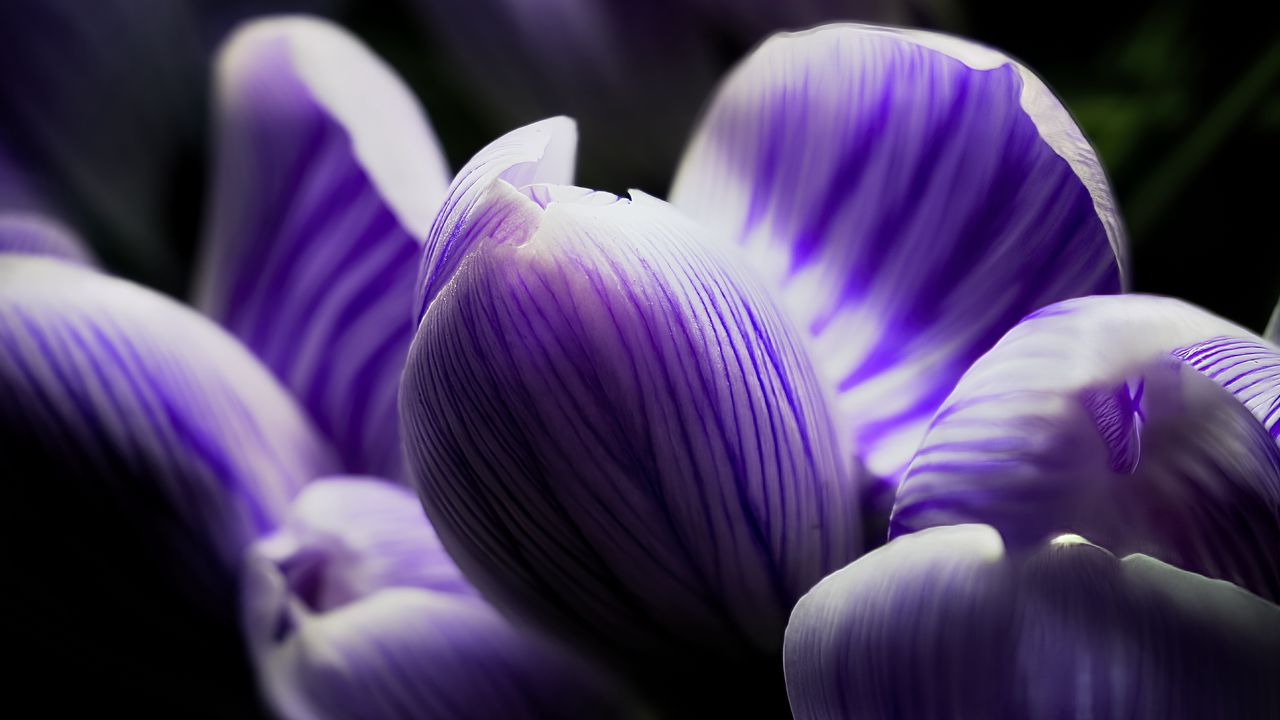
(615, 431)
(910, 196)
(943, 624)
(31, 234)
(353, 610)
(328, 176)
(143, 447)
(1140, 422)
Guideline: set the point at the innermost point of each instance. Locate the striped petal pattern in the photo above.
(539, 153)
(328, 177)
(143, 448)
(910, 197)
(353, 610)
(31, 234)
(945, 623)
(616, 433)
(1140, 422)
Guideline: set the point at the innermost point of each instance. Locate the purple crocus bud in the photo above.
(1142, 423)
(353, 610)
(615, 431)
(908, 196)
(328, 176)
(32, 234)
(650, 432)
(145, 448)
(948, 623)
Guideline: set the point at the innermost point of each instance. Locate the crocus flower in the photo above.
(155, 448)
(653, 426)
(1141, 424)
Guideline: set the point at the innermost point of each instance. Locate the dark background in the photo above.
(1179, 97)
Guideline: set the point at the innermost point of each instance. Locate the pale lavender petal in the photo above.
(31, 234)
(328, 176)
(1140, 422)
(353, 610)
(615, 432)
(944, 624)
(910, 197)
(539, 153)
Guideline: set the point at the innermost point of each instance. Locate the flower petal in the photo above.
(539, 153)
(911, 196)
(353, 610)
(1126, 419)
(615, 432)
(32, 234)
(943, 624)
(107, 382)
(144, 447)
(328, 175)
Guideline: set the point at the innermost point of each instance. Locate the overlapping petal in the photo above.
(112, 389)
(31, 234)
(944, 623)
(328, 176)
(1140, 422)
(353, 610)
(614, 430)
(143, 447)
(539, 153)
(910, 196)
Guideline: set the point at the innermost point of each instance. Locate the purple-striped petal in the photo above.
(143, 447)
(539, 153)
(328, 176)
(1140, 422)
(32, 234)
(910, 197)
(944, 624)
(615, 432)
(113, 389)
(353, 610)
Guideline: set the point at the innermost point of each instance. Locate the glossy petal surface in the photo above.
(30, 234)
(328, 176)
(353, 610)
(615, 431)
(910, 196)
(943, 623)
(1136, 421)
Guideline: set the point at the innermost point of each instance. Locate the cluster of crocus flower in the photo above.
(856, 422)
